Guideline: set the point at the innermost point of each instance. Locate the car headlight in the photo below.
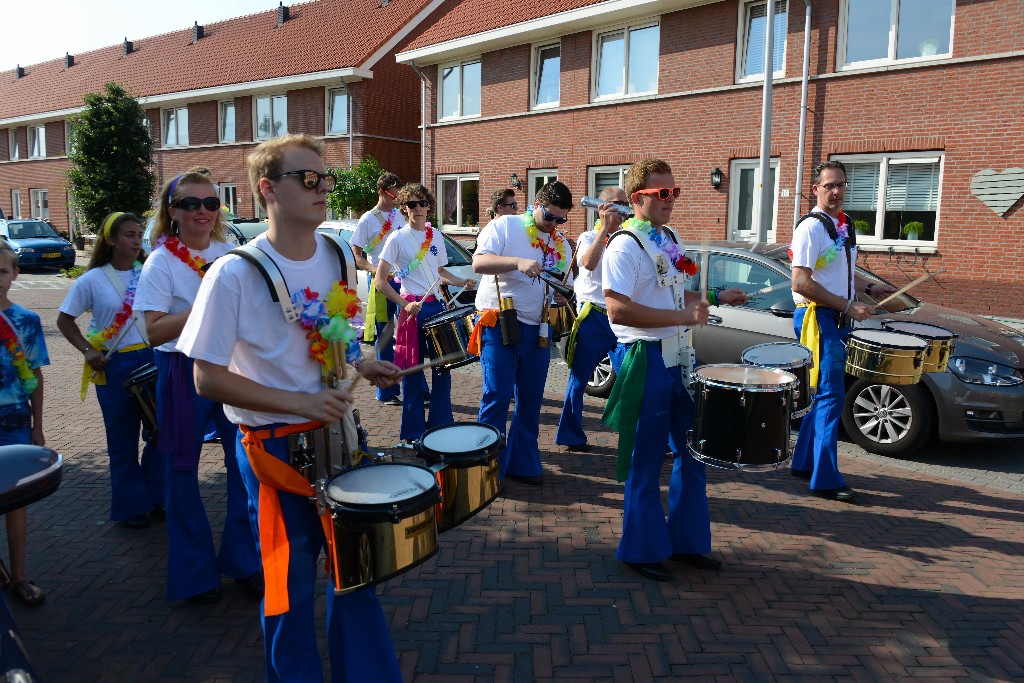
(975, 371)
(25, 250)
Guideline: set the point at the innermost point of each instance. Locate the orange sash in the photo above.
(488, 318)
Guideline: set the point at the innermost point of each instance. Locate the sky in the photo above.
(31, 36)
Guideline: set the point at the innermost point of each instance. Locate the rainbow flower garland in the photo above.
(664, 243)
(196, 263)
(554, 257)
(25, 373)
(842, 234)
(403, 273)
(333, 319)
(99, 337)
(379, 237)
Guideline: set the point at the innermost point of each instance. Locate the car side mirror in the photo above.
(783, 309)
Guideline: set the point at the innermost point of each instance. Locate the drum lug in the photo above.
(396, 516)
(320, 499)
(778, 455)
(743, 399)
(739, 455)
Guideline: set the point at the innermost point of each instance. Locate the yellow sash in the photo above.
(570, 347)
(810, 336)
(376, 312)
(100, 376)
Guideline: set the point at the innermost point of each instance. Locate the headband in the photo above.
(105, 230)
(170, 192)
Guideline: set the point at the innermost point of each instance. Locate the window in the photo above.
(229, 197)
(337, 111)
(69, 147)
(460, 90)
(726, 271)
(601, 177)
(893, 196)
(538, 179)
(15, 148)
(15, 203)
(271, 116)
(40, 200)
(227, 121)
(547, 66)
(889, 30)
(175, 123)
(626, 62)
(745, 198)
(753, 38)
(458, 201)
(260, 211)
(36, 142)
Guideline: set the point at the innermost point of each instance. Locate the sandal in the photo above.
(27, 592)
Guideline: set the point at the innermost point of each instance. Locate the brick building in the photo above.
(213, 92)
(922, 99)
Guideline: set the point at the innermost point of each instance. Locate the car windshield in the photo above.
(458, 255)
(30, 229)
(251, 230)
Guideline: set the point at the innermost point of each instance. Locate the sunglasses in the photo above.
(548, 216)
(514, 205)
(193, 203)
(663, 192)
(418, 203)
(310, 179)
(388, 193)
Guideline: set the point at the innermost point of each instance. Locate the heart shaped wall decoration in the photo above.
(998, 190)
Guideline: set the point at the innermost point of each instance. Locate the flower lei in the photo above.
(333, 319)
(196, 263)
(554, 257)
(665, 244)
(830, 254)
(98, 337)
(403, 273)
(25, 373)
(379, 237)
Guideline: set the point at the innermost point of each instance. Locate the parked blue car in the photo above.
(37, 243)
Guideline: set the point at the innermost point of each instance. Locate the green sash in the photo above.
(622, 411)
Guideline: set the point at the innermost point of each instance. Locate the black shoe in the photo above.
(136, 522)
(578, 448)
(253, 585)
(650, 570)
(393, 401)
(697, 560)
(843, 495)
(158, 513)
(532, 481)
(801, 474)
(209, 597)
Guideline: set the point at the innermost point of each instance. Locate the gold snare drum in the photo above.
(885, 357)
(939, 340)
(448, 333)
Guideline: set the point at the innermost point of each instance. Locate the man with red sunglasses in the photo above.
(644, 271)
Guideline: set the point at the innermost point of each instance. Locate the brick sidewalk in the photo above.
(923, 579)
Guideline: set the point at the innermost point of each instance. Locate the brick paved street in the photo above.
(923, 579)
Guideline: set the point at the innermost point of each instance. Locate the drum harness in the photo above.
(842, 320)
(122, 291)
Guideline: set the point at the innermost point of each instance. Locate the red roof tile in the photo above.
(319, 36)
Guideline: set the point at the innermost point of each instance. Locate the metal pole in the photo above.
(803, 117)
(423, 125)
(767, 188)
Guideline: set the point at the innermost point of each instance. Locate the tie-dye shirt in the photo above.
(13, 398)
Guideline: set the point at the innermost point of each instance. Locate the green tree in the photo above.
(111, 155)
(357, 187)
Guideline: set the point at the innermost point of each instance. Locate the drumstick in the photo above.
(907, 287)
(785, 284)
(447, 358)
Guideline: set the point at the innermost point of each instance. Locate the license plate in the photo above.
(54, 255)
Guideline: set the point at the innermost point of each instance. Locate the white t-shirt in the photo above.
(235, 323)
(402, 245)
(94, 292)
(627, 269)
(589, 286)
(369, 226)
(811, 246)
(168, 285)
(506, 236)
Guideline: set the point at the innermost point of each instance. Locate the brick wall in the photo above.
(204, 123)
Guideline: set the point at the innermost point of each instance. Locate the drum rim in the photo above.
(384, 511)
(808, 357)
(950, 334)
(882, 345)
(142, 373)
(466, 458)
(787, 386)
(439, 318)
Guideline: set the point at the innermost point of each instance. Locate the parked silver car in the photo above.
(980, 396)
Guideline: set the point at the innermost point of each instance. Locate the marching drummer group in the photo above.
(258, 366)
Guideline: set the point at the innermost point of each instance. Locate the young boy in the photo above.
(22, 354)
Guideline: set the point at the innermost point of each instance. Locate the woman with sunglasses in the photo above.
(190, 235)
(417, 256)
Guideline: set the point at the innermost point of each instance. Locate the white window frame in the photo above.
(39, 203)
(894, 10)
(885, 159)
(222, 119)
(742, 37)
(37, 139)
(259, 212)
(547, 174)
(68, 149)
(255, 117)
(229, 197)
(177, 127)
(535, 65)
(595, 59)
(329, 110)
(459, 225)
(592, 190)
(459, 66)
(735, 166)
(13, 148)
(15, 203)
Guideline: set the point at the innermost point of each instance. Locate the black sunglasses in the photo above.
(193, 203)
(422, 203)
(514, 205)
(548, 216)
(310, 179)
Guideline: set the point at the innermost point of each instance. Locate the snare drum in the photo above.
(470, 482)
(324, 452)
(561, 319)
(449, 332)
(939, 340)
(885, 357)
(742, 417)
(141, 384)
(383, 522)
(795, 359)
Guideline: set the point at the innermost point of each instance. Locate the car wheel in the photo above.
(600, 385)
(887, 419)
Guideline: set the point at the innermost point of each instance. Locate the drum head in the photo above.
(922, 330)
(777, 355)
(467, 438)
(384, 484)
(449, 315)
(889, 340)
(744, 376)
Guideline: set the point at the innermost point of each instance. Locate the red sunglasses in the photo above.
(662, 192)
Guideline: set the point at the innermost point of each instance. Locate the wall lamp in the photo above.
(716, 178)
(515, 182)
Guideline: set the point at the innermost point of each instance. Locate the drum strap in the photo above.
(118, 284)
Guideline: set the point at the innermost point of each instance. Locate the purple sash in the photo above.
(177, 415)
